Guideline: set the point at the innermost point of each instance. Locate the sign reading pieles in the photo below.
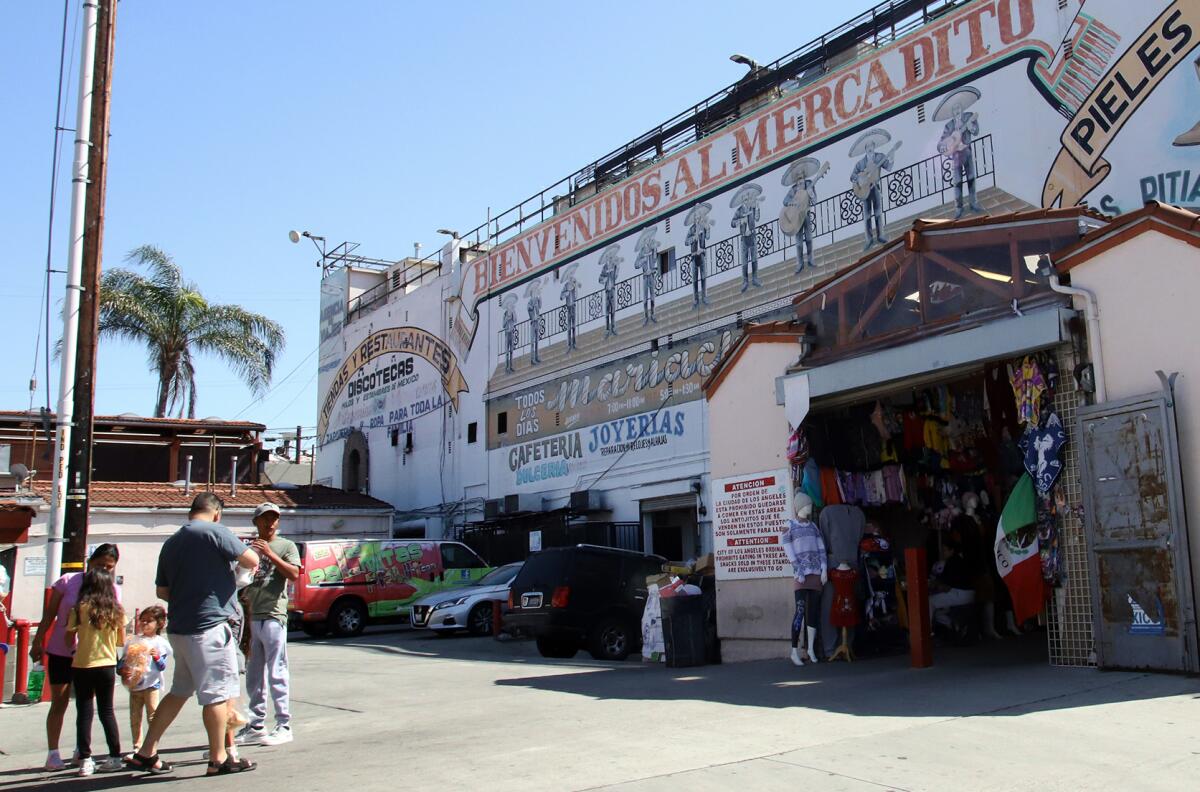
(750, 513)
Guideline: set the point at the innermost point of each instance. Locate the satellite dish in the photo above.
(294, 236)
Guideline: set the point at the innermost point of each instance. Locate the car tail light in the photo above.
(560, 597)
(510, 599)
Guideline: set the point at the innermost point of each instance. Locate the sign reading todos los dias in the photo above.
(382, 365)
(750, 513)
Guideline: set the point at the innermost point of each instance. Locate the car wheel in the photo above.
(348, 618)
(549, 646)
(611, 639)
(314, 629)
(479, 622)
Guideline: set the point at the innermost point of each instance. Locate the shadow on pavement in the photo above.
(1006, 678)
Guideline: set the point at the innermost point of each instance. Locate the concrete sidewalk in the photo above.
(395, 709)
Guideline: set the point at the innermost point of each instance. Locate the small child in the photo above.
(143, 661)
(97, 623)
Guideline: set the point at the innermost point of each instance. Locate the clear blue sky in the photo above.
(377, 122)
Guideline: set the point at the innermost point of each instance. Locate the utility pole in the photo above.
(64, 418)
(79, 459)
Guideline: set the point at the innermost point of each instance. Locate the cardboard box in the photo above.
(659, 580)
(705, 565)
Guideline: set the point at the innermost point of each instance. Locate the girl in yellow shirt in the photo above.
(98, 624)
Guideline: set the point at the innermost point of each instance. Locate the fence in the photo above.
(927, 178)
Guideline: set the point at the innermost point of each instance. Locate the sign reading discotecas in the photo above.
(750, 513)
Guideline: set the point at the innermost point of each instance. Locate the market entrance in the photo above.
(941, 464)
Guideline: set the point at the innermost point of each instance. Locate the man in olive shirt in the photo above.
(266, 611)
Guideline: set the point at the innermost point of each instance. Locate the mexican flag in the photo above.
(1020, 565)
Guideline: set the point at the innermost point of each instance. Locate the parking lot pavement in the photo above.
(397, 709)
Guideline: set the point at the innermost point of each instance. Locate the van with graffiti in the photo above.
(346, 584)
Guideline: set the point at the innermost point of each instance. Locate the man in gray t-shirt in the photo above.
(195, 577)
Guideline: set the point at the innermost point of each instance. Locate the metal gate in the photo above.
(1137, 535)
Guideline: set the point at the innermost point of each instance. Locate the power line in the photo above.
(276, 386)
(297, 396)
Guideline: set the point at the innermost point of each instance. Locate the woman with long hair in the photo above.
(98, 623)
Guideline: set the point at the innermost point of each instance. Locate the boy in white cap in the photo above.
(266, 608)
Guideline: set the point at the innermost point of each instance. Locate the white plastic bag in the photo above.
(654, 647)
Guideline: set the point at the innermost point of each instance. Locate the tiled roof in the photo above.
(156, 495)
(140, 420)
(1025, 215)
(1154, 216)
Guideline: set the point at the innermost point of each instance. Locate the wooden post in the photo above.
(920, 647)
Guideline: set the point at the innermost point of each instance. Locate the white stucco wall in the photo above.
(139, 534)
(748, 434)
(1147, 290)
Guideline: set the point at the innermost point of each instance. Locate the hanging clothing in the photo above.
(811, 483)
(1028, 383)
(845, 604)
(1042, 449)
(805, 549)
(841, 530)
(893, 483)
(875, 494)
(829, 487)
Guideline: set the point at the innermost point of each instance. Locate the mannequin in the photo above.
(805, 549)
(845, 608)
(842, 528)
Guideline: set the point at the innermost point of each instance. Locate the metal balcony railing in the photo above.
(924, 179)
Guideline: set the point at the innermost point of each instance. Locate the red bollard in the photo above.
(6, 639)
(920, 646)
(497, 622)
(21, 683)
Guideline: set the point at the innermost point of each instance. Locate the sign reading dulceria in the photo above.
(605, 393)
(400, 345)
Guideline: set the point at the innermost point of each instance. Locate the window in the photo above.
(502, 423)
(456, 556)
(472, 432)
(666, 261)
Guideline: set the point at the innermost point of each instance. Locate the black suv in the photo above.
(582, 596)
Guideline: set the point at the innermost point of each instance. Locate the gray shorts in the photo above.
(206, 665)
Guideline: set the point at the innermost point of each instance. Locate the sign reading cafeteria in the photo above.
(750, 514)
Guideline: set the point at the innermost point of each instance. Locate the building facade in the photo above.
(550, 362)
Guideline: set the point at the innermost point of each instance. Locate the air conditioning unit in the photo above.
(587, 501)
(516, 504)
(493, 508)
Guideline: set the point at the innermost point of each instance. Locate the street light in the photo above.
(449, 233)
(746, 61)
(318, 242)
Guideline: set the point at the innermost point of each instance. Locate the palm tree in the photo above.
(174, 321)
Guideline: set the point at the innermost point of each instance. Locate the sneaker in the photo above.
(87, 767)
(110, 765)
(278, 736)
(249, 735)
(54, 762)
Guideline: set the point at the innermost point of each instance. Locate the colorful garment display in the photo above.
(1028, 384)
(805, 549)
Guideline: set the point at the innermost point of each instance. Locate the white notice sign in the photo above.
(35, 566)
(750, 513)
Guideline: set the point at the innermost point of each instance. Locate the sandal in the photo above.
(229, 766)
(152, 765)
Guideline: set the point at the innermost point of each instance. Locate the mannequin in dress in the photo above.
(805, 549)
(845, 607)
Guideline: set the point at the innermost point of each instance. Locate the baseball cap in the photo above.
(266, 508)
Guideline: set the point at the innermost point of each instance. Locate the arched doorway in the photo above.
(356, 464)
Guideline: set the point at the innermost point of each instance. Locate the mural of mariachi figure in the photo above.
(509, 304)
(533, 293)
(746, 202)
(699, 226)
(610, 265)
(955, 145)
(795, 219)
(646, 260)
(1192, 136)
(866, 179)
(569, 293)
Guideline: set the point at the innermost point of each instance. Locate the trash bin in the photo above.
(683, 631)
